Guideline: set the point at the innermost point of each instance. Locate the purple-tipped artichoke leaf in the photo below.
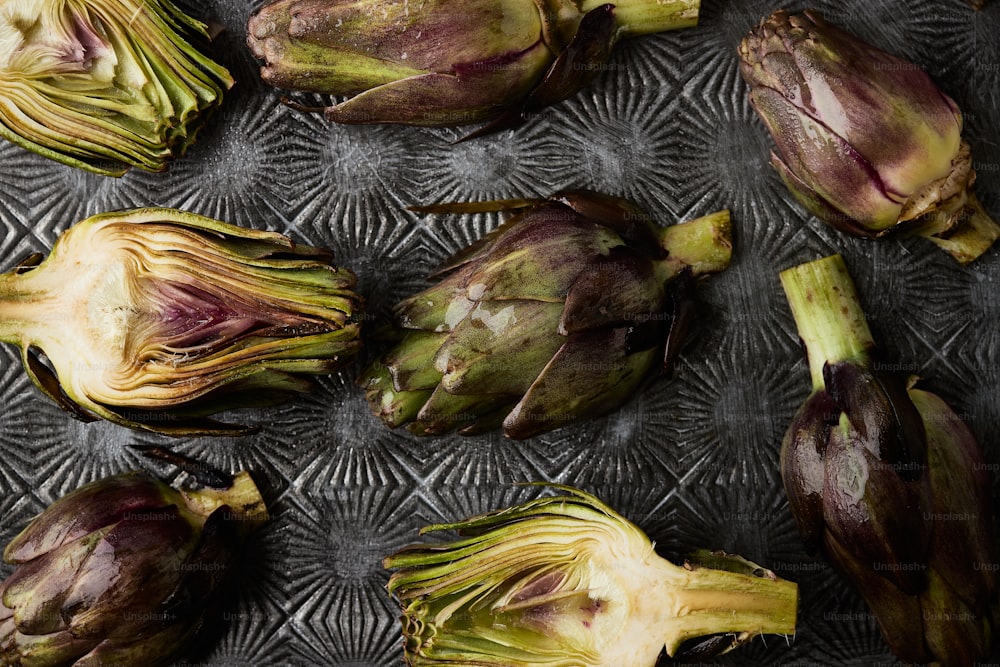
(476, 92)
(590, 375)
(952, 629)
(681, 311)
(578, 63)
(85, 510)
(135, 565)
(815, 204)
(898, 614)
(803, 465)
(879, 408)
(874, 512)
(628, 220)
(37, 589)
(509, 271)
(826, 162)
(964, 548)
(613, 291)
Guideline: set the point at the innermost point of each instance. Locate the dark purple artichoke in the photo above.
(866, 141)
(556, 316)
(122, 571)
(889, 482)
(436, 62)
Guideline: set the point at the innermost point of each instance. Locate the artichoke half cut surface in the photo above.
(157, 318)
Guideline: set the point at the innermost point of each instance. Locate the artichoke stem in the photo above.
(974, 235)
(705, 245)
(644, 17)
(23, 306)
(828, 314)
(242, 497)
(711, 601)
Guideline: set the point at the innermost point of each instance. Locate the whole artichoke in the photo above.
(440, 63)
(557, 315)
(155, 318)
(123, 571)
(866, 141)
(889, 482)
(104, 84)
(566, 581)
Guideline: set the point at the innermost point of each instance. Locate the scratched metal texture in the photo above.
(693, 460)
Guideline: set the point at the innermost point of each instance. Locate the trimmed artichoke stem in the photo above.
(703, 244)
(709, 601)
(974, 235)
(242, 498)
(644, 17)
(827, 314)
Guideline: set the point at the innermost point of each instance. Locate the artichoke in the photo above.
(889, 482)
(104, 84)
(567, 582)
(866, 141)
(156, 318)
(557, 315)
(123, 571)
(437, 63)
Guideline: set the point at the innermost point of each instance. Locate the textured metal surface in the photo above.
(693, 460)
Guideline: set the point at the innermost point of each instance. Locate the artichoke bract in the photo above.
(126, 570)
(889, 482)
(566, 581)
(156, 318)
(439, 63)
(866, 141)
(104, 84)
(557, 315)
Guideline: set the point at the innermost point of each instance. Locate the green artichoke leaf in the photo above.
(393, 407)
(952, 629)
(439, 307)
(443, 411)
(589, 375)
(500, 348)
(149, 652)
(960, 479)
(57, 648)
(411, 361)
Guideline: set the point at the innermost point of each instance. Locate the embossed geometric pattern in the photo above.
(692, 459)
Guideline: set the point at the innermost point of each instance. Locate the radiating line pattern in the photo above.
(692, 459)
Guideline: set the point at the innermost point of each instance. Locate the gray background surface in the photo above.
(693, 460)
